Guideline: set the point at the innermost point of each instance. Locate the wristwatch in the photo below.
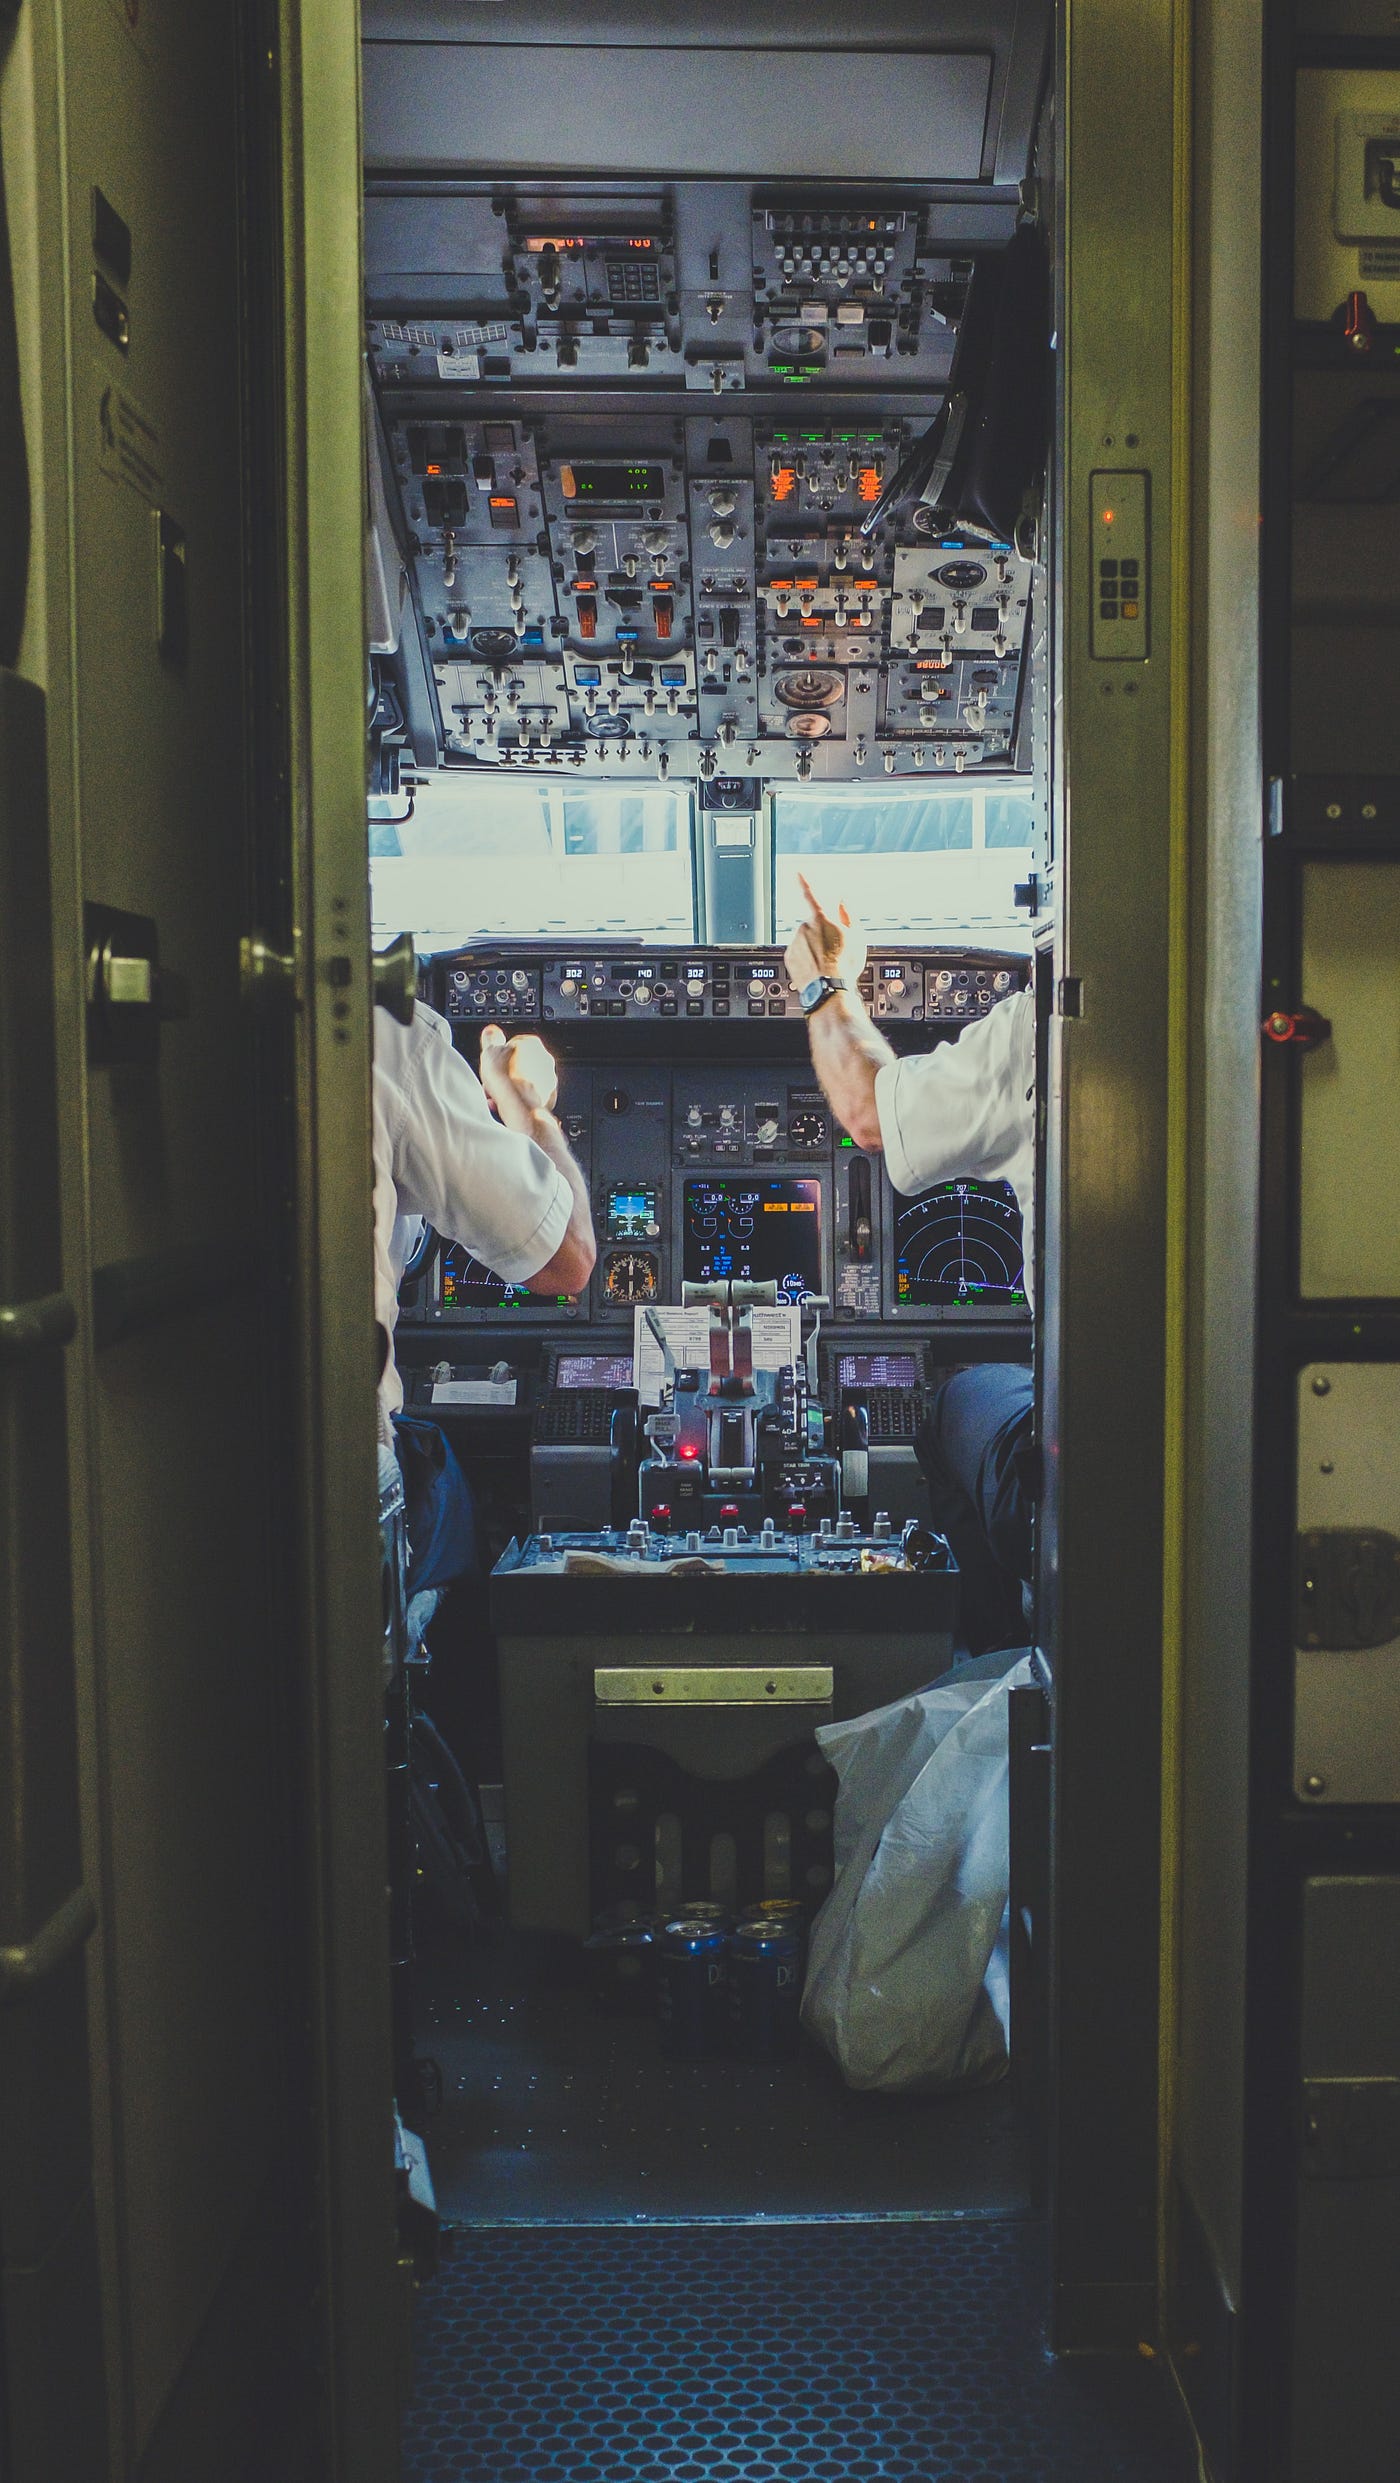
(811, 995)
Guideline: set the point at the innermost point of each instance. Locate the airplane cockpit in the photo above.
(709, 556)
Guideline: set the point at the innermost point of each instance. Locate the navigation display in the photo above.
(960, 1245)
(762, 1232)
(466, 1283)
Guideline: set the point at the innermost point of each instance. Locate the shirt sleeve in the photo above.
(485, 1186)
(962, 1107)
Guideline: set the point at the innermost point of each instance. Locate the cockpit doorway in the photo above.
(689, 576)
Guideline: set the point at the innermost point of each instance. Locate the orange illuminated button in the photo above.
(865, 586)
(868, 483)
(588, 616)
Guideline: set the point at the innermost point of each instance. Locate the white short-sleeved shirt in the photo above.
(967, 1107)
(441, 1156)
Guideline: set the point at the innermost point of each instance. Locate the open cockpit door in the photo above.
(197, 2228)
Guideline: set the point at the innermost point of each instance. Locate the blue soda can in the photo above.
(690, 1987)
(765, 1988)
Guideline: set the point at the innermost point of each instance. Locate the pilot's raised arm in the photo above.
(968, 1107)
(503, 1184)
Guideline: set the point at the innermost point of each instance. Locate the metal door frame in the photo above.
(365, 2339)
(1113, 1297)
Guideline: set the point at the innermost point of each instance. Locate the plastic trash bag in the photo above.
(906, 1987)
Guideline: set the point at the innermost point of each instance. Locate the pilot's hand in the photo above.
(518, 1073)
(823, 944)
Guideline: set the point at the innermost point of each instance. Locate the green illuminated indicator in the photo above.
(848, 1142)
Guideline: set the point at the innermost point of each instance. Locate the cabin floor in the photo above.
(663, 2271)
(554, 2112)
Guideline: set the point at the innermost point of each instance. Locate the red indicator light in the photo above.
(1108, 517)
(690, 1452)
(729, 1509)
(587, 616)
(663, 608)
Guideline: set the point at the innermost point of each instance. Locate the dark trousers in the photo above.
(976, 1452)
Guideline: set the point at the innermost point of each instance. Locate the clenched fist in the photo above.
(518, 1073)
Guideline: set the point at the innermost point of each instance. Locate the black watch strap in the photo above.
(814, 993)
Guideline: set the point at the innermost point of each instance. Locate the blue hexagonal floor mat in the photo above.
(801, 2353)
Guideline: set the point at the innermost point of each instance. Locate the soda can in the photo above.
(690, 1987)
(706, 1910)
(621, 1967)
(765, 1988)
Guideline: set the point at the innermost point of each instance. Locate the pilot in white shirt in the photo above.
(503, 1184)
(967, 1107)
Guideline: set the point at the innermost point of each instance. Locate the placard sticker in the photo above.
(128, 443)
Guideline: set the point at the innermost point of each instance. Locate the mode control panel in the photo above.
(714, 985)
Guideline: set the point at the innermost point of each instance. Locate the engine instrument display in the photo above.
(960, 1245)
(760, 1232)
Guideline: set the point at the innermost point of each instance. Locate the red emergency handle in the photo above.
(1303, 1029)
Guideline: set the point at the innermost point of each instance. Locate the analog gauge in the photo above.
(961, 575)
(809, 724)
(808, 1129)
(809, 687)
(631, 1276)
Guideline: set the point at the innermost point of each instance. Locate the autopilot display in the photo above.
(759, 1232)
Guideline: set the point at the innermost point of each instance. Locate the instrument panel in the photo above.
(709, 1148)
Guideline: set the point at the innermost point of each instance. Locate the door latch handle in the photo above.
(24, 1967)
(130, 994)
(1301, 1030)
(265, 973)
(27, 1327)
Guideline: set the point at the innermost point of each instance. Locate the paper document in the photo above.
(776, 1334)
(474, 1392)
